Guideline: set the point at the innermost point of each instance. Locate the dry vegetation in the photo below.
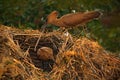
(77, 59)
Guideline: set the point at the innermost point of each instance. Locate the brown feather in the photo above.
(71, 20)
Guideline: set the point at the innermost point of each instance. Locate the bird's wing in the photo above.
(72, 19)
(79, 18)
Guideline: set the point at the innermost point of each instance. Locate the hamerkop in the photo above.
(72, 19)
(45, 53)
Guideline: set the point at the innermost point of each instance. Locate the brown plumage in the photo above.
(72, 19)
(45, 53)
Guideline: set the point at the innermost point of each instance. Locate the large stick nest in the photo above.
(76, 58)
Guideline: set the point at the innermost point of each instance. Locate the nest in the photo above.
(76, 58)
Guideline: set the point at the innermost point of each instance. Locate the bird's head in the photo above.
(52, 17)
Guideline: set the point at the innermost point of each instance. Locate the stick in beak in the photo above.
(43, 27)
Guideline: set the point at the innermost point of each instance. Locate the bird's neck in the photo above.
(55, 22)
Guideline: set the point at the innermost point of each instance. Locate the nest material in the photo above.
(77, 59)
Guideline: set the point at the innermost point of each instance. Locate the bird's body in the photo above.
(72, 19)
(45, 53)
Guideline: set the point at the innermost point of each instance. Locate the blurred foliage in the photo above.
(32, 13)
(21, 12)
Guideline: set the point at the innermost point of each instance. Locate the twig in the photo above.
(37, 42)
(43, 30)
(26, 34)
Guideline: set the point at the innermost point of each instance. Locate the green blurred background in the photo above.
(32, 13)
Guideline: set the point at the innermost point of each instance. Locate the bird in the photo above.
(45, 53)
(72, 19)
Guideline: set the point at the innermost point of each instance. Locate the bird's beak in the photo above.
(44, 26)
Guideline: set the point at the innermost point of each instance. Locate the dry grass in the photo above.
(77, 59)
